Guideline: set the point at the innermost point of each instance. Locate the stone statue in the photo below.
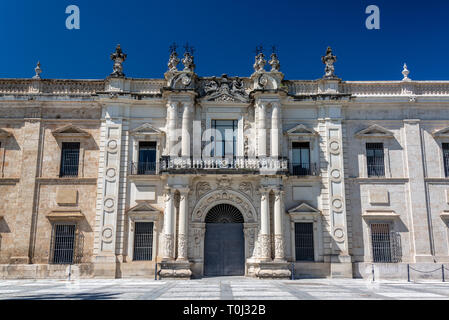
(118, 57)
(173, 62)
(329, 59)
(188, 62)
(274, 63)
(260, 62)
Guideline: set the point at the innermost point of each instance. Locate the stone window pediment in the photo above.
(375, 131)
(442, 133)
(4, 134)
(70, 131)
(301, 131)
(143, 209)
(146, 130)
(304, 209)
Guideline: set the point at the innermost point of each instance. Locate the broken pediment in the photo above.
(442, 133)
(146, 130)
(4, 134)
(304, 208)
(375, 131)
(70, 131)
(301, 130)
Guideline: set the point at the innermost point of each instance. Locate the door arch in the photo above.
(224, 244)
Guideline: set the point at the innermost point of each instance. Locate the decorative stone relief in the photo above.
(182, 246)
(224, 183)
(264, 246)
(279, 246)
(168, 245)
(247, 188)
(225, 89)
(224, 196)
(202, 188)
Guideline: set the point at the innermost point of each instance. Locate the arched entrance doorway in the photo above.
(224, 245)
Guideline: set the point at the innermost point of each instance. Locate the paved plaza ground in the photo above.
(229, 288)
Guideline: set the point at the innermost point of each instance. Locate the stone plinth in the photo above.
(272, 270)
(175, 270)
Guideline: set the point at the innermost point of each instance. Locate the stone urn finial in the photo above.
(405, 73)
(118, 57)
(38, 71)
(329, 59)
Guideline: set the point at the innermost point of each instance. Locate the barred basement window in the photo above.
(304, 242)
(375, 159)
(381, 242)
(446, 159)
(143, 241)
(64, 243)
(70, 159)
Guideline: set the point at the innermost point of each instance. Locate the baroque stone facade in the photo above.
(340, 168)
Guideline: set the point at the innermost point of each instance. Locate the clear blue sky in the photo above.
(224, 34)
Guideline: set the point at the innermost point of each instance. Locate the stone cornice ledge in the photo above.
(379, 180)
(436, 180)
(4, 181)
(44, 180)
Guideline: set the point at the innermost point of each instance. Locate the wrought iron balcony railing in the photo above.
(304, 169)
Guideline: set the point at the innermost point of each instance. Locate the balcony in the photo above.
(234, 165)
(304, 169)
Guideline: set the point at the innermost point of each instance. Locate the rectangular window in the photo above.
(304, 242)
(301, 159)
(381, 242)
(223, 138)
(375, 159)
(64, 243)
(446, 159)
(147, 157)
(70, 159)
(143, 241)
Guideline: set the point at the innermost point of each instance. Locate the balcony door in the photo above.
(301, 158)
(147, 157)
(224, 139)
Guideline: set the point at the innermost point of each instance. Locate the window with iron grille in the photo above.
(304, 250)
(381, 242)
(301, 159)
(64, 243)
(70, 155)
(375, 159)
(143, 241)
(147, 157)
(446, 159)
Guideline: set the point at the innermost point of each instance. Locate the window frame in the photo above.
(75, 257)
(80, 172)
(385, 152)
(152, 240)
